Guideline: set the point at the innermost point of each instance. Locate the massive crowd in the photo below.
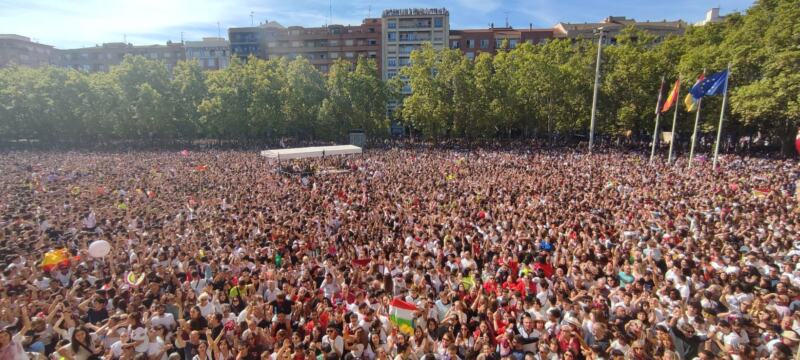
(507, 255)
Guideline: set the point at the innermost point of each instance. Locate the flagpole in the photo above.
(694, 132)
(674, 120)
(596, 87)
(658, 114)
(721, 116)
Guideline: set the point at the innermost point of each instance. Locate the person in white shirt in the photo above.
(334, 340)
(163, 318)
(329, 286)
(138, 333)
(207, 307)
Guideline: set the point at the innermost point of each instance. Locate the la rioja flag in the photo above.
(401, 314)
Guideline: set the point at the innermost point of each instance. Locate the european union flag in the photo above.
(712, 85)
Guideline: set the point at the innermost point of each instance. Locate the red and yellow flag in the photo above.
(673, 96)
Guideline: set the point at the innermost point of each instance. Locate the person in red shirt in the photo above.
(490, 286)
(515, 284)
(541, 264)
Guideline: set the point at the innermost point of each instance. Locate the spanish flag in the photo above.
(54, 258)
(673, 95)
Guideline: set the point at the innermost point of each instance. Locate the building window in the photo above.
(391, 74)
(512, 43)
(455, 44)
(392, 36)
(391, 25)
(372, 54)
(323, 68)
(322, 56)
(392, 61)
(471, 43)
(349, 55)
(348, 42)
(272, 44)
(167, 55)
(470, 55)
(372, 42)
(334, 43)
(297, 44)
(437, 22)
(334, 55)
(405, 61)
(484, 43)
(438, 36)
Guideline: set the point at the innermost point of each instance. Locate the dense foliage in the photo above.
(526, 91)
(548, 88)
(140, 100)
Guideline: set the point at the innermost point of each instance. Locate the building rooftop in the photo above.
(14, 37)
(207, 41)
(415, 12)
(620, 22)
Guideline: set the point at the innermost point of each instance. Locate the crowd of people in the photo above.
(506, 255)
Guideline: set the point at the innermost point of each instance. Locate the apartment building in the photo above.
(612, 25)
(20, 50)
(472, 42)
(405, 30)
(212, 53)
(322, 46)
(102, 57)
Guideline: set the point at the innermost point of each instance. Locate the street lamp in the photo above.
(600, 31)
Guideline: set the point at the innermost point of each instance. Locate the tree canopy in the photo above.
(525, 91)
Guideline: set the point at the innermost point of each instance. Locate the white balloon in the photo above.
(99, 248)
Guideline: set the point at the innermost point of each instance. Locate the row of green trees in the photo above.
(534, 89)
(526, 91)
(141, 100)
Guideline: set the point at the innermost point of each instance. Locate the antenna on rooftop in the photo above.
(219, 31)
(330, 12)
(369, 11)
(506, 18)
(251, 19)
(181, 37)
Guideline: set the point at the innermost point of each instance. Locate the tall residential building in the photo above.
(405, 30)
(20, 50)
(212, 53)
(322, 46)
(612, 25)
(102, 57)
(246, 41)
(712, 16)
(471, 42)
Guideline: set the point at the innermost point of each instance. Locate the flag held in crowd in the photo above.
(401, 314)
(54, 258)
(673, 94)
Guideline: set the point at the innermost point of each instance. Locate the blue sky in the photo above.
(77, 23)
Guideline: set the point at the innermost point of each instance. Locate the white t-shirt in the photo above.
(166, 320)
(208, 309)
(155, 347)
(140, 334)
(336, 344)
